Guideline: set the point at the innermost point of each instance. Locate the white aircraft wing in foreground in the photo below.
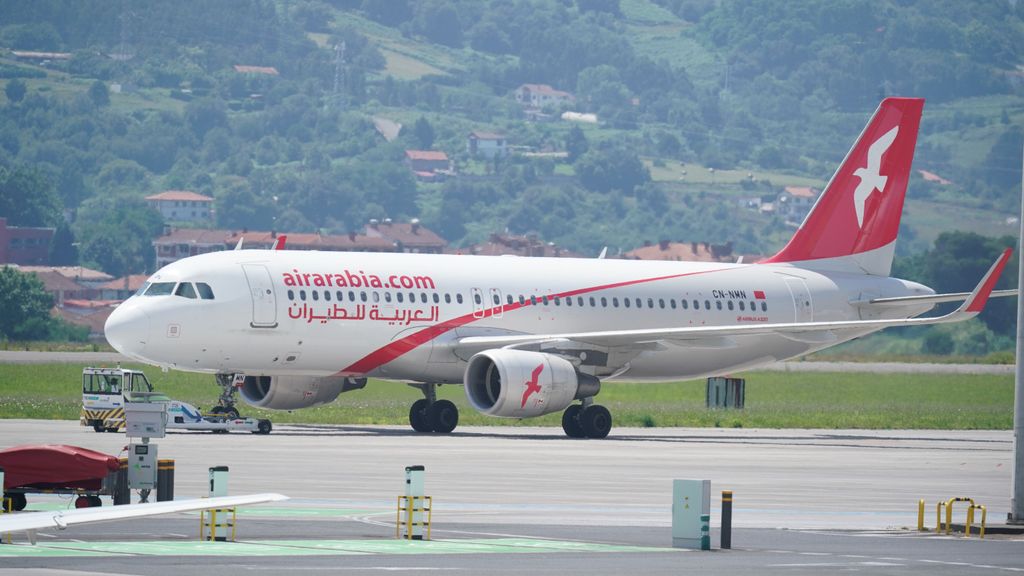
(61, 519)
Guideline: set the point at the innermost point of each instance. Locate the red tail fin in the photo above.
(853, 225)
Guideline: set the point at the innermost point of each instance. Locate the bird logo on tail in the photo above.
(870, 179)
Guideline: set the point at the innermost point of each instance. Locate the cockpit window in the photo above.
(205, 292)
(142, 290)
(160, 289)
(185, 290)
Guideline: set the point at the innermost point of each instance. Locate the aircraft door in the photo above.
(495, 303)
(478, 302)
(804, 311)
(264, 301)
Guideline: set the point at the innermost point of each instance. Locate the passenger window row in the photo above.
(568, 301)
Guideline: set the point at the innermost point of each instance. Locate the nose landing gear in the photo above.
(229, 384)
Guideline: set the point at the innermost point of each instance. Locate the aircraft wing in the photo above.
(61, 519)
(719, 336)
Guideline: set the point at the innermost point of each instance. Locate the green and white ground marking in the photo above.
(312, 548)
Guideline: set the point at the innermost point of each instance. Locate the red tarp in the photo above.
(55, 466)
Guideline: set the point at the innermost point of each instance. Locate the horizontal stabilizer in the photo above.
(929, 299)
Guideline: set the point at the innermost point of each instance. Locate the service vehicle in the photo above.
(106, 390)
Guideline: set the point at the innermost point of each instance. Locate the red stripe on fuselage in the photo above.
(400, 347)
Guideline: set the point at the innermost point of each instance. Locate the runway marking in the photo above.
(877, 561)
(317, 548)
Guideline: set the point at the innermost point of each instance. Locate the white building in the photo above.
(487, 144)
(182, 206)
(795, 202)
(541, 95)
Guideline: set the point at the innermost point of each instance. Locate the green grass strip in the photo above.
(773, 400)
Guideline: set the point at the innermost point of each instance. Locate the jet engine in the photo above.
(293, 392)
(523, 384)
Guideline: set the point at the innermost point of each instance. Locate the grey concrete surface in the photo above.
(850, 479)
(807, 501)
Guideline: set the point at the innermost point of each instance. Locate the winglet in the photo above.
(240, 240)
(975, 303)
(279, 245)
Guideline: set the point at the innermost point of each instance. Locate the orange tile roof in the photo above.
(132, 282)
(180, 195)
(77, 273)
(545, 89)
(407, 233)
(486, 135)
(801, 191)
(270, 70)
(681, 251)
(54, 281)
(263, 239)
(426, 155)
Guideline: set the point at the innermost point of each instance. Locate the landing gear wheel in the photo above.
(217, 409)
(596, 421)
(231, 414)
(443, 416)
(571, 422)
(418, 416)
(263, 427)
(84, 502)
(18, 501)
(95, 502)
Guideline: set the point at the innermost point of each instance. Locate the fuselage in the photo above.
(397, 316)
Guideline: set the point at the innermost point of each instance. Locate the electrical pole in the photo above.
(1017, 479)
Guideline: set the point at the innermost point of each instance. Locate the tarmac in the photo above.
(516, 500)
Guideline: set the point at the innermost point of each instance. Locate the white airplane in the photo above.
(30, 522)
(530, 336)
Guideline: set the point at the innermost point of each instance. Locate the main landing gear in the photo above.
(429, 414)
(587, 420)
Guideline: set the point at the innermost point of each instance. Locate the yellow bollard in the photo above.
(920, 516)
(938, 517)
(949, 511)
(970, 520)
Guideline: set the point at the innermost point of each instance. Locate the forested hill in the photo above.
(702, 106)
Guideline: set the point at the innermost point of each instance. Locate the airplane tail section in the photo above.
(853, 225)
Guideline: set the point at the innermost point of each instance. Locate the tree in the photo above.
(611, 169)
(956, 263)
(116, 234)
(63, 249)
(24, 306)
(27, 197)
(424, 133)
(206, 114)
(576, 143)
(99, 94)
(15, 90)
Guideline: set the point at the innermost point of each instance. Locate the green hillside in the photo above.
(767, 94)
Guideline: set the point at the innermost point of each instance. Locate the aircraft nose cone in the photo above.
(127, 330)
